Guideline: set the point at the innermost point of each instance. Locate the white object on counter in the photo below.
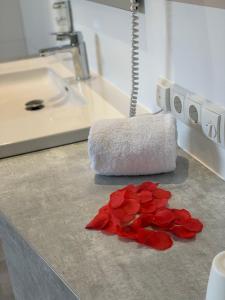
(137, 146)
(216, 284)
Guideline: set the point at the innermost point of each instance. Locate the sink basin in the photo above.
(20, 88)
(41, 106)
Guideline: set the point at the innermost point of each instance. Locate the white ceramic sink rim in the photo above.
(66, 124)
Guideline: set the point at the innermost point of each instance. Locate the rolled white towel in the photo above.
(142, 145)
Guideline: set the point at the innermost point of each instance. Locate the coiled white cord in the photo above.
(134, 57)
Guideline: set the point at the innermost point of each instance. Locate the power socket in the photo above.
(177, 102)
(193, 109)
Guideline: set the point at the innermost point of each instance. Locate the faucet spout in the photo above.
(77, 48)
(53, 50)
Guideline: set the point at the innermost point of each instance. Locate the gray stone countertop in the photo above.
(50, 196)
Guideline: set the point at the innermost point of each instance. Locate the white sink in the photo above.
(69, 108)
(17, 89)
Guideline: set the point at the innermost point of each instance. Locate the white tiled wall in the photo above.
(12, 40)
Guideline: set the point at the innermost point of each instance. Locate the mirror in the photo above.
(210, 3)
(26, 25)
(123, 4)
(25, 28)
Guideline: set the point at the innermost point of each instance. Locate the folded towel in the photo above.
(137, 146)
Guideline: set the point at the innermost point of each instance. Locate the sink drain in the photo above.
(34, 105)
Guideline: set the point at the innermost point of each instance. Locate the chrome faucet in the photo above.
(77, 48)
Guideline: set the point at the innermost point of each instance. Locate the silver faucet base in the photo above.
(78, 50)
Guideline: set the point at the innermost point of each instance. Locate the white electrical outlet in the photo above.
(213, 122)
(193, 109)
(177, 102)
(163, 94)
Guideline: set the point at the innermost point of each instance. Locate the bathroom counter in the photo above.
(50, 196)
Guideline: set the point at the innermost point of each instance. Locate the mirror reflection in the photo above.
(26, 26)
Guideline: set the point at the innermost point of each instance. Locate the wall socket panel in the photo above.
(192, 110)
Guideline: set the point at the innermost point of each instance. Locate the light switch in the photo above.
(211, 122)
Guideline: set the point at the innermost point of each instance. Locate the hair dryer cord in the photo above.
(134, 57)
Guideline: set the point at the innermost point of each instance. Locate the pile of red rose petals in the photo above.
(131, 209)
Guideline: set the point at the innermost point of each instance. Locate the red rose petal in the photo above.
(146, 220)
(142, 221)
(137, 224)
(127, 232)
(181, 216)
(152, 206)
(193, 225)
(131, 207)
(155, 239)
(121, 217)
(149, 207)
(161, 203)
(117, 198)
(110, 228)
(161, 194)
(160, 241)
(147, 186)
(143, 235)
(163, 217)
(104, 209)
(182, 232)
(99, 221)
(130, 188)
(131, 192)
(145, 196)
(130, 195)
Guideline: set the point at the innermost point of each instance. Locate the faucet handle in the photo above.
(60, 36)
(76, 37)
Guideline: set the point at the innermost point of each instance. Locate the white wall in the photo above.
(182, 42)
(12, 40)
